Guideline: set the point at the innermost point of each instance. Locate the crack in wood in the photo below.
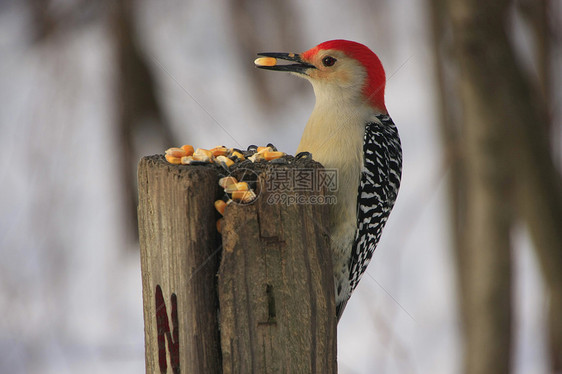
(272, 240)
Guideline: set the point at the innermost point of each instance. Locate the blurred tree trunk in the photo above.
(51, 18)
(478, 43)
(258, 26)
(451, 135)
(536, 15)
(43, 21)
(508, 164)
(137, 102)
(541, 189)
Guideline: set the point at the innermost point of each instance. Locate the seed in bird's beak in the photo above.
(265, 61)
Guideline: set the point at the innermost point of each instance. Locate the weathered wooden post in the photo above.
(179, 261)
(274, 288)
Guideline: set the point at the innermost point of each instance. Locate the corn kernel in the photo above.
(226, 181)
(243, 196)
(238, 155)
(262, 150)
(240, 186)
(228, 162)
(176, 152)
(272, 155)
(219, 151)
(201, 158)
(186, 160)
(172, 159)
(265, 61)
(201, 154)
(255, 157)
(188, 149)
(220, 206)
(201, 151)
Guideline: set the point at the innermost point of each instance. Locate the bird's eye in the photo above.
(328, 61)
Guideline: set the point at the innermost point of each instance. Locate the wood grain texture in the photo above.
(275, 284)
(276, 288)
(180, 251)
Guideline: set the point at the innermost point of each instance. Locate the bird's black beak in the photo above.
(268, 61)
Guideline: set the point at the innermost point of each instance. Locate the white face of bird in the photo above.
(335, 75)
(336, 69)
(346, 72)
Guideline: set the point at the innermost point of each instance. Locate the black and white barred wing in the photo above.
(380, 180)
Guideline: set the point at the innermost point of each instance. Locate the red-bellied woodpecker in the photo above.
(349, 130)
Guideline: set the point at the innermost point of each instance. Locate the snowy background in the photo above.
(70, 283)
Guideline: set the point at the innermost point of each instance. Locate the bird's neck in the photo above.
(334, 136)
(337, 125)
